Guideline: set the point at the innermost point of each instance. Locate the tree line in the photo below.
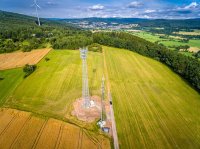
(187, 67)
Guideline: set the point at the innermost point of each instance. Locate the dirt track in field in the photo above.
(22, 130)
(19, 59)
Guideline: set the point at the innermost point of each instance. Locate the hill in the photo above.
(21, 32)
(187, 23)
(154, 107)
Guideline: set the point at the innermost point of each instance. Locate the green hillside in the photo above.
(154, 107)
(21, 32)
(55, 85)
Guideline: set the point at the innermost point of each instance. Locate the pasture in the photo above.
(23, 130)
(19, 59)
(154, 107)
(10, 79)
(56, 84)
(174, 41)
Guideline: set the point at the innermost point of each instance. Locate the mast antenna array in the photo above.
(85, 88)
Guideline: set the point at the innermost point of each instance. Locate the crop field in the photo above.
(147, 36)
(154, 107)
(19, 59)
(167, 42)
(23, 130)
(56, 83)
(197, 32)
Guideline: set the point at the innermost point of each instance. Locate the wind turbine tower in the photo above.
(36, 10)
(85, 87)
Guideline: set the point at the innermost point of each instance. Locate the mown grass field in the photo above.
(49, 93)
(19, 58)
(154, 107)
(56, 83)
(10, 79)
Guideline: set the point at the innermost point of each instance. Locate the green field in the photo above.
(10, 80)
(167, 42)
(147, 36)
(154, 107)
(53, 87)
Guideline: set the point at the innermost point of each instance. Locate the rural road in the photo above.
(114, 130)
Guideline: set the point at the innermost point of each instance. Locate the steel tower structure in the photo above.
(85, 87)
(102, 97)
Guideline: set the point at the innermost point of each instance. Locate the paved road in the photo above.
(114, 130)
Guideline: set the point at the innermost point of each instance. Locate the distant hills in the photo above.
(187, 23)
(19, 19)
(8, 20)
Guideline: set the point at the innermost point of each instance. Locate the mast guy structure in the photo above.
(85, 87)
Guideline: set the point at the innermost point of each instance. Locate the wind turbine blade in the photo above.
(38, 6)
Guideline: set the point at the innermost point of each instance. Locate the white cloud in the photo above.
(146, 16)
(192, 5)
(135, 4)
(149, 11)
(97, 7)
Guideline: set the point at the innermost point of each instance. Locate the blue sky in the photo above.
(171, 9)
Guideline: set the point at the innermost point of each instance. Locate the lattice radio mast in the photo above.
(85, 87)
(102, 97)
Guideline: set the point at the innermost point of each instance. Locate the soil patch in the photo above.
(87, 114)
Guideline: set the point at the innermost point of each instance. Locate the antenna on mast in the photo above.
(36, 10)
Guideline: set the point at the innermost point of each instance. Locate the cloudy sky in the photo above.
(171, 9)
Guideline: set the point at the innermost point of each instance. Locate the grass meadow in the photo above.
(10, 79)
(154, 107)
(56, 83)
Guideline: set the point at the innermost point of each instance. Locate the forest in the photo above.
(20, 32)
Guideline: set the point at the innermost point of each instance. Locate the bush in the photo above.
(95, 47)
(47, 59)
(29, 69)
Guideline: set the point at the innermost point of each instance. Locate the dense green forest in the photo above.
(22, 32)
(187, 67)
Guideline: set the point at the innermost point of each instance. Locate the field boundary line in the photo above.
(92, 138)
(8, 125)
(14, 141)
(80, 139)
(59, 137)
(39, 134)
(44, 55)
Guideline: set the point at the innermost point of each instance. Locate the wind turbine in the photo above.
(36, 10)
